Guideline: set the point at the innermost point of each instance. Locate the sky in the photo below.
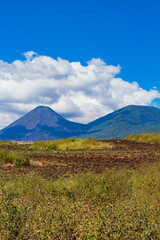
(84, 59)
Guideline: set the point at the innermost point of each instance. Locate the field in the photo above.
(145, 137)
(80, 190)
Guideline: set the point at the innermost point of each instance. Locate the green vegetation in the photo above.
(111, 205)
(7, 143)
(128, 120)
(13, 158)
(145, 137)
(67, 195)
(71, 144)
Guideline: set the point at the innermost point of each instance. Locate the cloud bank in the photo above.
(79, 93)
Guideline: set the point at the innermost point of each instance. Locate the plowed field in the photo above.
(123, 153)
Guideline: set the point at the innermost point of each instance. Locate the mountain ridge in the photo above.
(43, 123)
(122, 122)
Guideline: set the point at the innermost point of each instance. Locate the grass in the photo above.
(71, 144)
(7, 143)
(145, 137)
(115, 204)
(13, 158)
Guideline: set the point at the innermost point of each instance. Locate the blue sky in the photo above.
(124, 32)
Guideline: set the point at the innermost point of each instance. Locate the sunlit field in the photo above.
(113, 201)
(145, 137)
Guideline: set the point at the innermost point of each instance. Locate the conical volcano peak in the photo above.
(41, 115)
(44, 109)
(42, 123)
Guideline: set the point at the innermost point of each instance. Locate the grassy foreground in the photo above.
(122, 204)
(145, 137)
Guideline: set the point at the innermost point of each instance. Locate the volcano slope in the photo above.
(42, 123)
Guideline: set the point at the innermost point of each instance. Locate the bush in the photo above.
(14, 158)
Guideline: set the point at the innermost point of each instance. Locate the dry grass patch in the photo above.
(145, 137)
(71, 144)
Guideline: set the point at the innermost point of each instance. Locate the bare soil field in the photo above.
(55, 164)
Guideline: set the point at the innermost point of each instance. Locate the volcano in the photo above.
(42, 123)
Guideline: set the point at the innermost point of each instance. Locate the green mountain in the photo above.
(153, 129)
(128, 120)
(42, 123)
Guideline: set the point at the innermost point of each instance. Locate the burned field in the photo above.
(55, 164)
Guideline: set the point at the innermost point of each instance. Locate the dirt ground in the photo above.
(123, 153)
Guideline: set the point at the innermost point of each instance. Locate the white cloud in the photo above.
(80, 93)
(29, 55)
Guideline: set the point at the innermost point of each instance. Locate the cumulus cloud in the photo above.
(29, 55)
(80, 93)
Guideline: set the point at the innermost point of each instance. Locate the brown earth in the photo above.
(129, 154)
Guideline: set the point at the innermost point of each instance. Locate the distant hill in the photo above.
(42, 123)
(152, 129)
(128, 120)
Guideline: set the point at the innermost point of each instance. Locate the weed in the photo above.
(111, 205)
(9, 219)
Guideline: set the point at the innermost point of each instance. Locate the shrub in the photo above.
(14, 158)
